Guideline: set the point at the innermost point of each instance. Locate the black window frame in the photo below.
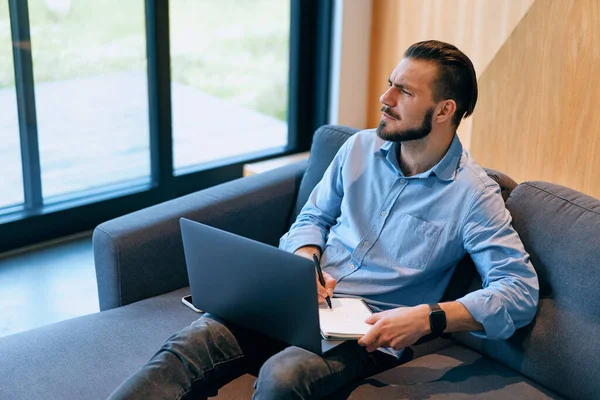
(308, 96)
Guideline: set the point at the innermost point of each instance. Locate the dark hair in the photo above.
(456, 78)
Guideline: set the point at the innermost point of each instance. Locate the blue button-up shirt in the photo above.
(395, 240)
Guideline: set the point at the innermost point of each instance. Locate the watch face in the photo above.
(437, 320)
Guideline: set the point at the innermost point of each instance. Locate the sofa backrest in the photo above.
(560, 229)
(327, 140)
(326, 143)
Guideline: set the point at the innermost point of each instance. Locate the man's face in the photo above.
(408, 105)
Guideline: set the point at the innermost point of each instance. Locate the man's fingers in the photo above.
(373, 318)
(369, 340)
(321, 291)
(373, 346)
(327, 290)
(330, 281)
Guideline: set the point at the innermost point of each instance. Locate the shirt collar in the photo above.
(445, 169)
(386, 147)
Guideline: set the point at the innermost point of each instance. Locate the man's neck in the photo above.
(418, 156)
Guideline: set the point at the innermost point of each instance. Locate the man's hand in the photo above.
(330, 282)
(327, 291)
(397, 328)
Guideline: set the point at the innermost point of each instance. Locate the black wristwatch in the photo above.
(437, 319)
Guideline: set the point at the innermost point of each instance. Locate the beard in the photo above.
(405, 135)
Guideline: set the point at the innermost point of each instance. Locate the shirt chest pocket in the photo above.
(414, 242)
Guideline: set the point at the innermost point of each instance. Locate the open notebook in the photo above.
(345, 320)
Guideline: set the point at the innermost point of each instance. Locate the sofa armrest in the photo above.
(140, 255)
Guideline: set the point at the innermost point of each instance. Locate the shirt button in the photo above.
(403, 181)
(366, 243)
(383, 213)
(352, 266)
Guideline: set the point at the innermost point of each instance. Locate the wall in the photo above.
(350, 63)
(477, 27)
(537, 117)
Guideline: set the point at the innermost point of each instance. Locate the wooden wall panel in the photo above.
(384, 51)
(477, 27)
(538, 115)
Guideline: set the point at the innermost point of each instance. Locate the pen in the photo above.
(321, 279)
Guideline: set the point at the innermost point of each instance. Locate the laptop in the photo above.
(257, 286)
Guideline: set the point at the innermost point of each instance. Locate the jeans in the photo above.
(209, 353)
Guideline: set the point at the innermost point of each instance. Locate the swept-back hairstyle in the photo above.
(456, 78)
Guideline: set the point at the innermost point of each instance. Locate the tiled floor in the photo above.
(47, 284)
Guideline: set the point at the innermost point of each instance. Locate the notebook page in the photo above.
(346, 318)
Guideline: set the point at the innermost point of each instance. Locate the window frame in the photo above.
(308, 95)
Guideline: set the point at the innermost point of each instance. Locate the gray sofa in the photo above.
(142, 277)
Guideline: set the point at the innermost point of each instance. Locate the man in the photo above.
(394, 213)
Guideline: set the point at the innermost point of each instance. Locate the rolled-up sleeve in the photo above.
(321, 210)
(509, 295)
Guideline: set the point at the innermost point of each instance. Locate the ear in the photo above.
(445, 111)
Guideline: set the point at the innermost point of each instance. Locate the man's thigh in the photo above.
(227, 349)
(256, 347)
(196, 360)
(298, 373)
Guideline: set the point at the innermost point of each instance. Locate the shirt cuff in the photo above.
(489, 311)
(300, 237)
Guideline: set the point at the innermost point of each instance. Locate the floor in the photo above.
(47, 284)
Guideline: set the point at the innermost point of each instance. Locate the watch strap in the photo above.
(435, 307)
(437, 319)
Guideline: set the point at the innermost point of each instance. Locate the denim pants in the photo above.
(209, 353)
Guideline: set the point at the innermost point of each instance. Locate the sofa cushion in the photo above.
(452, 373)
(560, 230)
(89, 356)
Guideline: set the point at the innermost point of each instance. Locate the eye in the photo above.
(405, 92)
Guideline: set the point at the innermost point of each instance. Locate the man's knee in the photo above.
(288, 374)
(189, 357)
(206, 340)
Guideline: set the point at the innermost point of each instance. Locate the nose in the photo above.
(387, 98)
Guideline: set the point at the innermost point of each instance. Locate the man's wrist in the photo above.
(437, 319)
(308, 251)
(424, 324)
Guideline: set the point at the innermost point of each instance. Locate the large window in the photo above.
(89, 66)
(11, 178)
(229, 69)
(111, 106)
